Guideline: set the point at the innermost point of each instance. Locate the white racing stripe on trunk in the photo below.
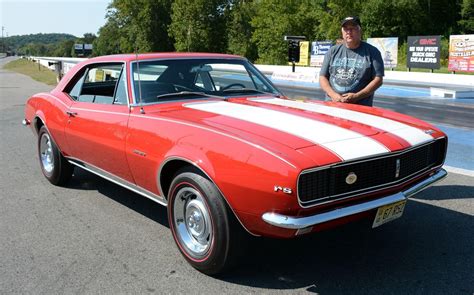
(346, 144)
(412, 135)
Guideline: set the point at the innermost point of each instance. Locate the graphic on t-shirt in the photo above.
(346, 73)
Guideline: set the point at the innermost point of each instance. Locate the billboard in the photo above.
(423, 52)
(388, 47)
(318, 50)
(461, 53)
(83, 49)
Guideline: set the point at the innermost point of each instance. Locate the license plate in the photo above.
(388, 213)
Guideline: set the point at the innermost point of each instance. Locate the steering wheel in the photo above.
(232, 85)
(182, 88)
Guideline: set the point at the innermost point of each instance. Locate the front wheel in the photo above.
(54, 166)
(203, 227)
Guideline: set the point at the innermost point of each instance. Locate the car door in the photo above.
(98, 119)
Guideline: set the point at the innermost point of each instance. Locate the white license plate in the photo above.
(388, 213)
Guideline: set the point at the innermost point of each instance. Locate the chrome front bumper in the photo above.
(290, 222)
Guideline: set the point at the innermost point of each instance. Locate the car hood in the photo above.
(348, 131)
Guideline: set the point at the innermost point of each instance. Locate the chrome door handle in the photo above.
(71, 114)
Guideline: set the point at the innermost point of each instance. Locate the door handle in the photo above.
(71, 114)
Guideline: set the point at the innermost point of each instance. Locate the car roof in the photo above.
(160, 55)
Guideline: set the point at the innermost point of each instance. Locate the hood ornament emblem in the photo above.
(429, 131)
(351, 178)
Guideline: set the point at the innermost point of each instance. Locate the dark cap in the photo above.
(351, 19)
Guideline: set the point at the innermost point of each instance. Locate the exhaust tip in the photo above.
(25, 122)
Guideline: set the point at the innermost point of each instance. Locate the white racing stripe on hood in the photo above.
(330, 136)
(412, 135)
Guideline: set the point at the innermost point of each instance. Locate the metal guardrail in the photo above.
(60, 65)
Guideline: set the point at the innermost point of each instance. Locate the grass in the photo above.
(29, 68)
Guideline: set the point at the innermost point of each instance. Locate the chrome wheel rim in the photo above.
(192, 222)
(46, 153)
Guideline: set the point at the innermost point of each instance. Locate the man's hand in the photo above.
(336, 97)
(350, 97)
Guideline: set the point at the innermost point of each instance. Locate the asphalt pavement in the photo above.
(93, 236)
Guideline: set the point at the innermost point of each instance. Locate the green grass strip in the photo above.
(37, 72)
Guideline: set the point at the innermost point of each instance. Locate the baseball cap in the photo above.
(352, 19)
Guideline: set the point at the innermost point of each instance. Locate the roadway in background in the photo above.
(93, 236)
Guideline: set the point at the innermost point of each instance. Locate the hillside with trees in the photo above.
(54, 44)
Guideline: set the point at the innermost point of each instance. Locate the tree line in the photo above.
(255, 29)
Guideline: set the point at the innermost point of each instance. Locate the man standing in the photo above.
(353, 70)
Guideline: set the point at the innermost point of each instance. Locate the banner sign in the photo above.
(318, 51)
(461, 53)
(388, 47)
(304, 51)
(424, 52)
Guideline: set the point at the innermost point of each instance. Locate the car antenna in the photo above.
(142, 111)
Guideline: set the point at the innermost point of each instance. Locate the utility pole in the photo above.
(3, 40)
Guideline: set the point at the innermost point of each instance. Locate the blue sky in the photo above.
(22, 17)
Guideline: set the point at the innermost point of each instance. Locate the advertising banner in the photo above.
(304, 53)
(461, 53)
(423, 52)
(318, 50)
(388, 47)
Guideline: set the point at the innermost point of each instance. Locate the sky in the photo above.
(23, 17)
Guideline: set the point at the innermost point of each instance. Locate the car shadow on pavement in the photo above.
(427, 251)
(85, 180)
(448, 192)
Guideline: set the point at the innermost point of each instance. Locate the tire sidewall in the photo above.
(216, 257)
(52, 176)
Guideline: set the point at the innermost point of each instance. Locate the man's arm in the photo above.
(324, 83)
(365, 92)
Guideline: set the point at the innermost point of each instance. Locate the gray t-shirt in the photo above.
(350, 70)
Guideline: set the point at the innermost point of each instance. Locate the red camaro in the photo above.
(210, 137)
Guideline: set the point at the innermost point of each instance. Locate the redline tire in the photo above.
(202, 226)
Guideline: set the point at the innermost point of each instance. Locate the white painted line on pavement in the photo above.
(459, 171)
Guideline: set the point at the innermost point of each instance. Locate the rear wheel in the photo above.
(203, 227)
(53, 165)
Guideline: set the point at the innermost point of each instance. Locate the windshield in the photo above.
(165, 80)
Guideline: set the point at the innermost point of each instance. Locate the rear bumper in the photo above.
(290, 222)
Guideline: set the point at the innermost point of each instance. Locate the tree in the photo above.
(274, 19)
(107, 42)
(199, 25)
(392, 18)
(467, 17)
(240, 30)
(63, 48)
(135, 25)
(333, 12)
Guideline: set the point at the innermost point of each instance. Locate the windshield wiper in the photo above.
(244, 90)
(184, 93)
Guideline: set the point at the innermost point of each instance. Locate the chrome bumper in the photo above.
(303, 222)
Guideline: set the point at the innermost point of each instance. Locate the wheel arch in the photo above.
(38, 122)
(167, 173)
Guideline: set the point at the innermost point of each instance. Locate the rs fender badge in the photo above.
(351, 178)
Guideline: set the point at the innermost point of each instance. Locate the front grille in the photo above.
(327, 184)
